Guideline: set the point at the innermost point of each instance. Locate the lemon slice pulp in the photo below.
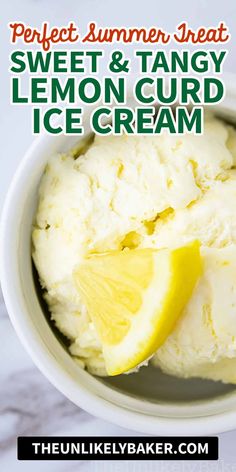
(134, 297)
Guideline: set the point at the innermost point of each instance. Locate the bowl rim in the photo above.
(78, 394)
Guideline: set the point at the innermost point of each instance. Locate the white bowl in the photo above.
(148, 402)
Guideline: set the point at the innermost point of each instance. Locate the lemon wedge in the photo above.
(134, 297)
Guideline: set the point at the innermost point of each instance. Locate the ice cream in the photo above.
(135, 191)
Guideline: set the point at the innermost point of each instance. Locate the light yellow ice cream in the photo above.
(140, 191)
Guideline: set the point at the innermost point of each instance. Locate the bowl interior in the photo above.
(150, 383)
(149, 390)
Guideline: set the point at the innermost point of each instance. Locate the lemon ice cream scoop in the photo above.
(203, 343)
(128, 193)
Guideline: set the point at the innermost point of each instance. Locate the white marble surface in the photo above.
(29, 404)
